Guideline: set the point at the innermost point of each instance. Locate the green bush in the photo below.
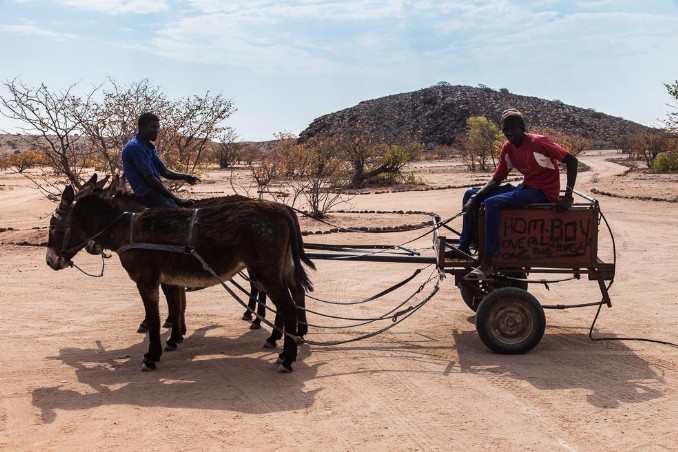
(411, 178)
(666, 162)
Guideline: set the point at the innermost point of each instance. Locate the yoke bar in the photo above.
(373, 257)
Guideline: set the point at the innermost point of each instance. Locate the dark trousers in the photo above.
(155, 199)
(504, 196)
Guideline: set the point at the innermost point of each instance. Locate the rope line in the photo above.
(362, 321)
(395, 318)
(639, 339)
(366, 321)
(373, 297)
(101, 273)
(595, 318)
(431, 231)
(395, 321)
(208, 269)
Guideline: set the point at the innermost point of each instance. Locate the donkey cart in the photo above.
(535, 240)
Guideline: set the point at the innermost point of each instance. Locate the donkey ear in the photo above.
(100, 185)
(92, 180)
(67, 197)
(115, 183)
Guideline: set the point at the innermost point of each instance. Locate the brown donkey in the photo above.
(176, 296)
(251, 234)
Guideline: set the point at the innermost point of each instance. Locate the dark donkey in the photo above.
(176, 296)
(251, 234)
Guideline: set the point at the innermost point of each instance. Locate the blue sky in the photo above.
(286, 62)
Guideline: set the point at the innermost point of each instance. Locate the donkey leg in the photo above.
(289, 354)
(168, 321)
(276, 333)
(287, 311)
(143, 326)
(299, 296)
(149, 294)
(261, 310)
(251, 303)
(176, 300)
(183, 310)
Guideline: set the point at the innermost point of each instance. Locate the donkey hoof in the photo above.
(279, 360)
(246, 317)
(255, 326)
(170, 346)
(285, 369)
(147, 366)
(298, 340)
(268, 344)
(142, 328)
(167, 324)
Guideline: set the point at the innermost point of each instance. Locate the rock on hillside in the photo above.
(436, 115)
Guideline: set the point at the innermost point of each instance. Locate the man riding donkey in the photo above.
(143, 168)
(536, 157)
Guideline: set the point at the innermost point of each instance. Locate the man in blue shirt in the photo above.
(143, 167)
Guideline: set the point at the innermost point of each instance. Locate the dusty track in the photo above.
(70, 376)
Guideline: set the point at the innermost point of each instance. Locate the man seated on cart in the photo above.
(536, 157)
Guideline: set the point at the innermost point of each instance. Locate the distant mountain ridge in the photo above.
(437, 115)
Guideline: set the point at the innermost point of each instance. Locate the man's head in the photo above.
(513, 126)
(149, 126)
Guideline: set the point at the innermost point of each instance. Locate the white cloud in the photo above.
(344, 10)
(29, 28)
(222, 39)
(120, 6)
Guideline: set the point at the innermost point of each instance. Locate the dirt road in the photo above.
(70, 376)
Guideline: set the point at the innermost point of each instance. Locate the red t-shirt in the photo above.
(537, 159)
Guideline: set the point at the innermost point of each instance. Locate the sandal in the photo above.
(477, 274)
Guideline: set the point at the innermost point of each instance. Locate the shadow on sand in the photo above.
(609, 370)
(205, 372)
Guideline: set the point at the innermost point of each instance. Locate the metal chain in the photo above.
(101, 273)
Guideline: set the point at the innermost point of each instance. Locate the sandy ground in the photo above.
(70, 376)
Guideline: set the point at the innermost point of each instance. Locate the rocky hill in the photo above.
(436, 115)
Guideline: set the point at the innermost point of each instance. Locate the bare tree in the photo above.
(109, 123)
(646, 146)
(226, 152)
(264, 171)
(77, 132)
(671, 121)
(370, 160)
(325, 171)
(50, 128)
(574, 144)
(189, 127)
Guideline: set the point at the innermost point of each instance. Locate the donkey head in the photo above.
(58, 251)
(60, 231)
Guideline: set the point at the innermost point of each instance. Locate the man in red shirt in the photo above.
(536, 157)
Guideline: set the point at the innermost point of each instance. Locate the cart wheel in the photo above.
(473, 292)
(510, 321)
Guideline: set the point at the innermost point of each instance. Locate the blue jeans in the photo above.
(155, 199)
(504, 196)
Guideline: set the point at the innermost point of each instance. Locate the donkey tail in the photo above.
(299, 254)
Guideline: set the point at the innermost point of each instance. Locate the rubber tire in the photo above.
(470, 295)
(521, 310)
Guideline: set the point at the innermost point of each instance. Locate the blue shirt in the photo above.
(139, 162)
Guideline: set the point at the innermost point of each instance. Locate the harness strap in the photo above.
(153, 247)
(131, 227)
(189, 239)
(186, 249)
(79, 246)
